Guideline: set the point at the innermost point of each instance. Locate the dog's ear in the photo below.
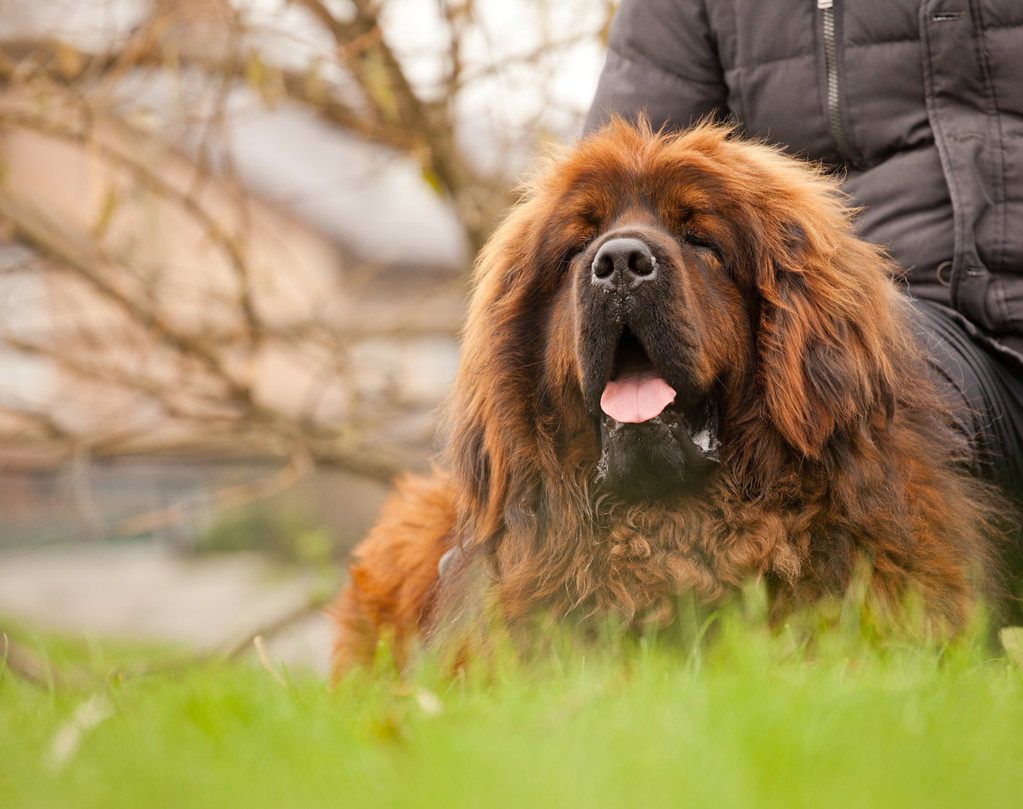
(489, 441)
(829, 325)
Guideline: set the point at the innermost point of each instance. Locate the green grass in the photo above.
(750, 719)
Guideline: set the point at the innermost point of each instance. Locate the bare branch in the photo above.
(203, 347)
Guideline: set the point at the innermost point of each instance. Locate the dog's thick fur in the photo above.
(787, 343)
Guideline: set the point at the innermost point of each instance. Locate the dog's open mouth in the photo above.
(636, 392)
(654, 439)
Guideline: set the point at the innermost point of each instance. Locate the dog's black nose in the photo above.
(623, 263)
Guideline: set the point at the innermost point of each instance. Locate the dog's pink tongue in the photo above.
(636, 396)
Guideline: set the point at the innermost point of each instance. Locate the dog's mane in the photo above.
(836, 446)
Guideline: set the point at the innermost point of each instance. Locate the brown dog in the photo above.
(681, 371)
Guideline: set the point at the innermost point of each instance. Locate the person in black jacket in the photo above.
(919, 105)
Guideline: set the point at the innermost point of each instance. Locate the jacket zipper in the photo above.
(827, 10)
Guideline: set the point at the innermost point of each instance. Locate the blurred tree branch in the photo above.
(164, 305)
(390, 112)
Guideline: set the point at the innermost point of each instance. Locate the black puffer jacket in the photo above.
(919, 101)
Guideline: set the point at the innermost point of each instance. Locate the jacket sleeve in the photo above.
(662, 61)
